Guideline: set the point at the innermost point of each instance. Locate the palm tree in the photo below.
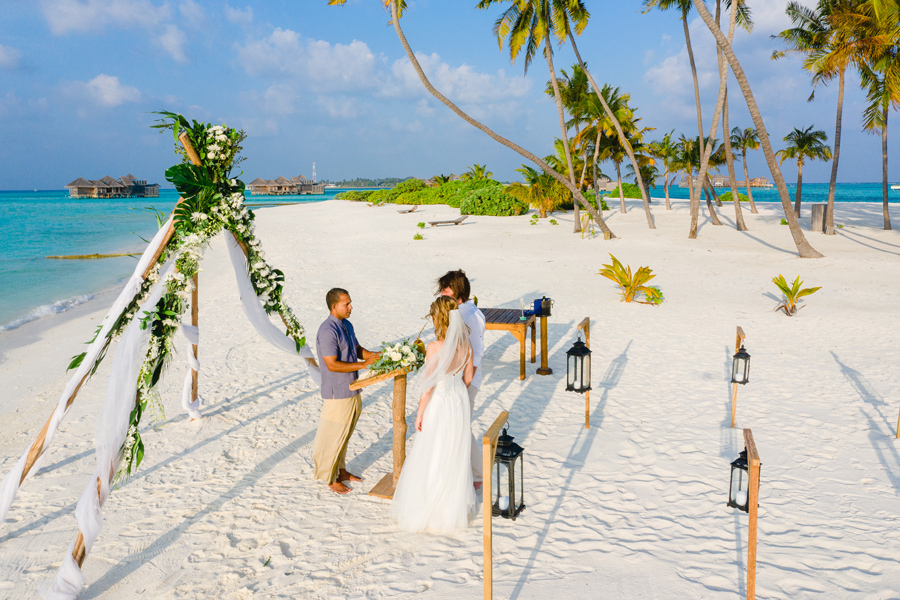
(477, 172)
(873, 32)
(396, 7)
(804, 144)
(665, 149)
(804, 249)
(743, 140)
(540, 190)
(572, 91)
(441, 179)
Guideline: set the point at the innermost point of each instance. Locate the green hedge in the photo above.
(591, 197)
(631, 190)
(493, 201)
(415, 191)
(355, 195)
(726, 197)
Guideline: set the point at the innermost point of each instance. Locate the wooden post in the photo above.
(386, 486)
(195, 321)
(488, 449)
(734, 387)
(544, 369)
(753, 464)
(533, 347)
(586, 326)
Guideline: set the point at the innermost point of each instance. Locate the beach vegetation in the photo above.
(743, 140)
(591, 197)
(355, 195)
(804, 144)
(418, 236)
(784, 221)
(540, 191)
(492, 201)
(632, 286)
(554, 222)
(792, 294)
(477, 172)
(726, 197)
(665, 149)
(421, 225)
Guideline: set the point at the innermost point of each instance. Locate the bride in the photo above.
(435, 490)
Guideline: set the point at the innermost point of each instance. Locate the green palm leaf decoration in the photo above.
(792, 294)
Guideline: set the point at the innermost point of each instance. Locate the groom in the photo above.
(456, 285)
(339, 354)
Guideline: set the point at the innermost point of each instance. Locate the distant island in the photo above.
(126, 186)
(386, 182)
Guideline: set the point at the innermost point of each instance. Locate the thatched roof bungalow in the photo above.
(107, 187)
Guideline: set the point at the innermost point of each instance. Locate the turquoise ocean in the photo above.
(37, 224)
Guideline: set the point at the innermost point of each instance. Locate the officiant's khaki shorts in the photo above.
(336, 425)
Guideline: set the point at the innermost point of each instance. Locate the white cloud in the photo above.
(462, 84)
(193, 13)
(278, 99)
(322, 66)
(239, 16)
(256, 127)
(10, 58)
(173, 41)
(340, 107)
(106, 90)
(82, 16)
(91, 16)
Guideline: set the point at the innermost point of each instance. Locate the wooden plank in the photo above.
(361, 383)
(488, 449)
(753, 500)
(739, 339)
(384, 488)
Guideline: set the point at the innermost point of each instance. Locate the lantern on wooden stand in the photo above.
(578, 367)
(739, 489)
(740, 368)
(508, 494)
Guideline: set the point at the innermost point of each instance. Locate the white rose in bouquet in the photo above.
(406, 349)
(396, 356)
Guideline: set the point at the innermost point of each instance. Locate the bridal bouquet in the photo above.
(401, 355)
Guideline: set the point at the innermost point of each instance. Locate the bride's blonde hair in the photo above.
(440, 314)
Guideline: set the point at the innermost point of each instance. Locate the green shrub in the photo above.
(492, 200)
(553, 222)
(792, 294)
(632, 285)
(630, 190)
(591, 197)
(421, 225)
(418, 236)
(726, 197)
(355, 195)
(784, 222)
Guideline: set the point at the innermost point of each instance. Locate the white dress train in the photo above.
(435, 491)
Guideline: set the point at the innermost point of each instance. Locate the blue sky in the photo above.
(310, 82)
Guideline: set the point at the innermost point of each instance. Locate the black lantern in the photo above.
(740, 370)
(506, 479)
(578, 369)
(739, 489)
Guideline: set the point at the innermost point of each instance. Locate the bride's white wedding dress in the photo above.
(435, 491)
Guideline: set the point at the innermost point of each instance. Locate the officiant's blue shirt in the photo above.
(336, 338)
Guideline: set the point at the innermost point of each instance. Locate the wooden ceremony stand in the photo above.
(753, 465)
(734, 387)
(386, 486)
(488, 449)
(586, 326)
(543, 369)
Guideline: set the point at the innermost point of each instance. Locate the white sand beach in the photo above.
(635, 507)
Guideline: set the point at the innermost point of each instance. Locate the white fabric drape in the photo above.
(257, 315)
(109, 435)
(452, 355)
(11, 483)
(191, 407)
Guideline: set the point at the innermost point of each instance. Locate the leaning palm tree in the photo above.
(572, 91)
(804, 248)
(743, 140)
(665, 149)
(804, 144)
(396, 7)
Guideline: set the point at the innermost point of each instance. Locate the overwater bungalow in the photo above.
(126, 186)
(722, 181)
(283, 186)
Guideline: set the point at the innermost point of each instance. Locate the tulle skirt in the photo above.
(435, 490)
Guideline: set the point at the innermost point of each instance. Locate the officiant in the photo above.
(339, 355)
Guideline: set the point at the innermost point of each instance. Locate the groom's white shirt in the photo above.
(474, 318)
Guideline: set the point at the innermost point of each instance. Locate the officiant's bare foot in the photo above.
(338, 488)
(477, 485)
(345, 475)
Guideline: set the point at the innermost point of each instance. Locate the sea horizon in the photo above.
(33, 286)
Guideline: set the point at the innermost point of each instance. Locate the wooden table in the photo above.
(509, 319)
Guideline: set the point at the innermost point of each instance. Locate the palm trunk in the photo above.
(622, 139)
(596, 155)
(564, 132)
(598, 218)
(666, 188)
(729, 160)
(695, 202)
(668, 205)
(691, 183)
(747, 181)
(884, 172)
(799, 188)
(712, 188)
(804, 249)
(713, 216)
(621, 191)
(829, 213)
